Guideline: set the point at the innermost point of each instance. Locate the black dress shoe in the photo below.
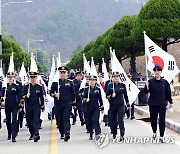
(31, 137)
(82, 123)
(9, 137)
(73, 123)
(62, 137)
(91, 137)
(13, 140)
(67, 137)
(121, 138)
(132, 118)
(36, 138)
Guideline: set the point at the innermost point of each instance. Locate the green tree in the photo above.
(10, 46)
(161, 21)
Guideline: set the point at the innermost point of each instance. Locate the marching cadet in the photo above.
(0, 100)
(81, 93)
(20, 114)
(116, 93)
(93, 99)
(79, 105)
(11, 96)
(64, 95)
(160, 94)
(34, 103)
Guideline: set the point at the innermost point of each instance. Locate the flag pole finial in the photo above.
(110, 48)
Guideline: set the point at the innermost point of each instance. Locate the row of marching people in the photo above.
(67, 94)
(88, 101)
(14, 97)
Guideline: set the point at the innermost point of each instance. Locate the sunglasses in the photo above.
(33, 77)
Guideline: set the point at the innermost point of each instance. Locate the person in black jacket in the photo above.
(79, 105)
(160, 94)
(34, 103)
(116, 93)
(81, 93)
(0, 101)
(64, 95)
(11, 96)
(93, 99)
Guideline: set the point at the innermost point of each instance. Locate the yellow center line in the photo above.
(53, 146)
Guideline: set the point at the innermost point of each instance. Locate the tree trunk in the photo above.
(100, 66)
(120, 59)
(164, 44)
(133, 63)
(107, 65)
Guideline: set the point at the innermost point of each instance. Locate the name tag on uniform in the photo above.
(37, 91)
(67, 84)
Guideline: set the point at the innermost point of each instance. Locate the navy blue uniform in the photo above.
(20, 114)
(79, 104)
(117, 106)
(160, 94)
(64, 104)
(81, 94)
(0, 103)
(33, 106)
(12, 104)
(93, 108)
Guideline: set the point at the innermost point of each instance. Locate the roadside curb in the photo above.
(169, 123)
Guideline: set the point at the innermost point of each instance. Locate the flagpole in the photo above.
(58, 90)
(29, 88)
(147, 77)
(88, 91)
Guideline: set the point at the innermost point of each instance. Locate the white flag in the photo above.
(131, 88)
(104, 71)
(56, 77)
(52, 73)
(1, 75)
(87, 69)
(157, 56)
(11, 64)
(4, 84)
(23, 74)
(103, 95)
(33, 67)
(59, 59)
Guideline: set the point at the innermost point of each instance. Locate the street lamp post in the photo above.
(1, 6)
(28, 43)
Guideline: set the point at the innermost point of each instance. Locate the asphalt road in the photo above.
(137, 132)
